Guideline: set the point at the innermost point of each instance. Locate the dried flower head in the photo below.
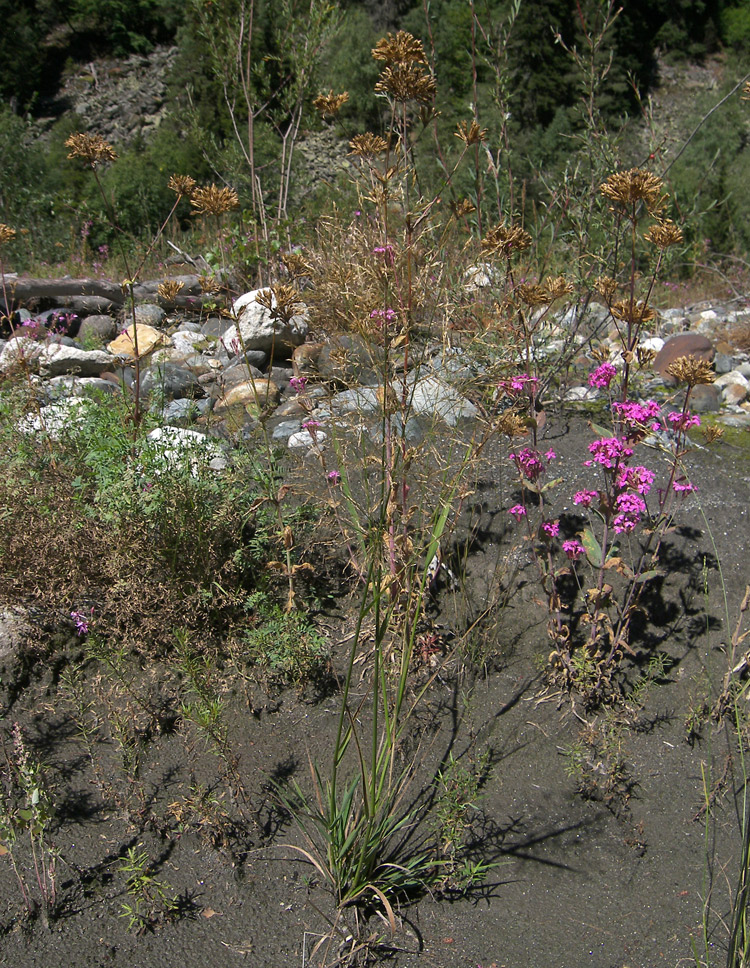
(512, 424)
(280, 300)
(6, 233)
(403, 48)
(745, 96)
(296, 265)
(213, 200)
(367, 145)
(170, 289)
(533, 295)
(92, 148)
(328, 105)
(208, 284)
(627, 188)
(407, 82)
(634, 312)
(462, 208)
(557, 287)
(688, 369)
(181, 184)
(502, 240)
(644, 356)
(712, 432)
(664, 233)
(470, 134)
(606, 287)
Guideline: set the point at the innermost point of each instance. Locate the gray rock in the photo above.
(101, 327)
(357, 400)
(58, 358)
(285, 429)
(431, 397)
(149, 314)
(170, 382)
(184, 411)
(16, 631)
(260, 331)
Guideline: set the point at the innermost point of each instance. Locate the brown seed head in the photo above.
(557, 287)
(170, 289)
(296, 265)
(644, 356)
(280, 300)
(367, 145)
(462, 208)
(533, 295)
(470, 134)
(712, 432)
(92, 148)
(403, 48)
(208, 284)
(6, 233)
(626, 188)
(664, 233)
(406, 82)
(745, 96)
(636, 312)
(511, 424)
(606, 287)
(688, 369)
(328, 105)
(213, 200)
(502, 240)
(181, 184)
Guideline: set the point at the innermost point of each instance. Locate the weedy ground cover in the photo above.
(168, 590)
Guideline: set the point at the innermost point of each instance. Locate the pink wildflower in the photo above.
(585, 497)
(630, 507)
(517, 384)
(82, 622)
(518, 511)
(552, 528)
(602, 376)
(683, 421)
(683, 486)
(608, 451)
(637, 478)
(529, 463)
(637, 416)
(312, 427)
(334, 477)
(550, 455)
(573, 549)
(298, 383)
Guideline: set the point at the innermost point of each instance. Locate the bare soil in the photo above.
(607, 857)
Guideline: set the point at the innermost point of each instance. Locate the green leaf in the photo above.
(646, 576)
(593, 548)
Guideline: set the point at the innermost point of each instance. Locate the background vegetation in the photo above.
(244, 79)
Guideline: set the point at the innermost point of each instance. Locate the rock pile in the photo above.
(221, 376)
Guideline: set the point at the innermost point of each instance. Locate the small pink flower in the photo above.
(550, 455)
(573, 549)
(517, 384)
(334, 477)
(312, 427)
(82, 621)
(552, 528)
(585, 498)
(602, 376)
(683, 421)
(298, 383)
(608, 451)
(518, 511)
(683, 486)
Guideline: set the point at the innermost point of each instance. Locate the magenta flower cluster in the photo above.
(82, 621)
(602, 376)
(609, 452)
(529, 462)
(638, 417)
(298, 383)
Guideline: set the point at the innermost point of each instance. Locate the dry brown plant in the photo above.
(91, 148)
(213, 200)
